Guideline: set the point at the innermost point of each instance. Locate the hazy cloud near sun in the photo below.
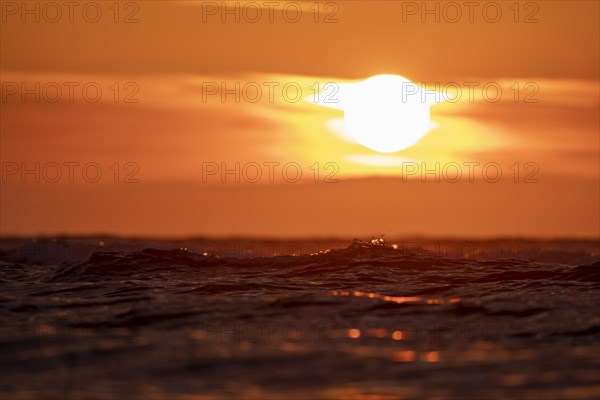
(196, 126)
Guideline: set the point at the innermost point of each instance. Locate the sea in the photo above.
(102, 317)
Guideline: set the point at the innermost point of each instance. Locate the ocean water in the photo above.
(107, 318)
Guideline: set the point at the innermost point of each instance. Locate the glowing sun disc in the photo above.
(388, 113)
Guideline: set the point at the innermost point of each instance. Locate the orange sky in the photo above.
(175, 127)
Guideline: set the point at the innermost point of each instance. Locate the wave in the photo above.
(373, 263)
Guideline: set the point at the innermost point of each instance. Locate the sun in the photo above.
(387, 113)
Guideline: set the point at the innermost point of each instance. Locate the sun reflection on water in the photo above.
(395, 299)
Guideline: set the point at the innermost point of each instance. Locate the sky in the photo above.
(184, 118)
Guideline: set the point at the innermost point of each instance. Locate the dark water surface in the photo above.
(367, 321)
